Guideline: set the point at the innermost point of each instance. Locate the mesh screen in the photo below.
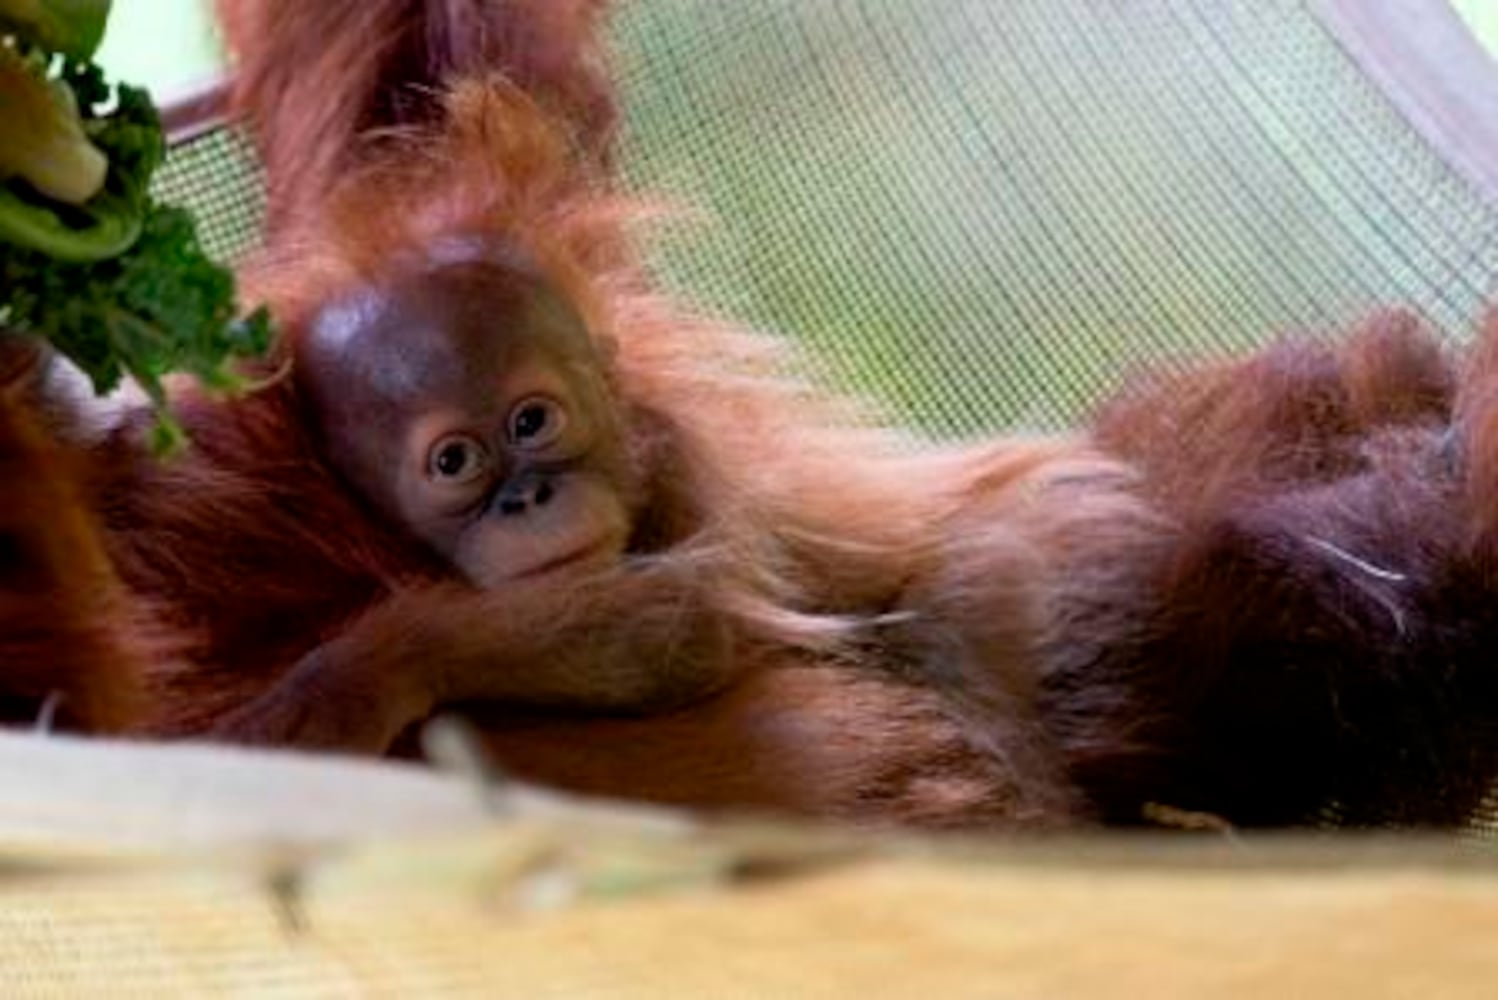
(215, 174)
(983, 212)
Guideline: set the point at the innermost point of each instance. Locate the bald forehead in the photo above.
(434, 331)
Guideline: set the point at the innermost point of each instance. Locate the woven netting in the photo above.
(985, 212)
(215, 174)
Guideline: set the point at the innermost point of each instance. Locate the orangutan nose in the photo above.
(520, 497)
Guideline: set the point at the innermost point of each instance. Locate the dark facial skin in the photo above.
(469, 403)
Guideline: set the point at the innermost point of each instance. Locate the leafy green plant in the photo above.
(89, 261)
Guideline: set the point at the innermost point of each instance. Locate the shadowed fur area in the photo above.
(71, 645)
(1320, 644)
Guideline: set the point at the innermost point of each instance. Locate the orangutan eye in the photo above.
(457, 459)
(536, 422)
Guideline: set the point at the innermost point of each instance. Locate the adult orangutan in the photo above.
(508, 474)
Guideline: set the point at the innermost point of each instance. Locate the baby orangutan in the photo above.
(467, 402)
(506, 478)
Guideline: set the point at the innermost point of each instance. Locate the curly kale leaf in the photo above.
(120, 284)
(162, 307)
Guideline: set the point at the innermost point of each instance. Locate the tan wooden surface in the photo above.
(884, 929)
(129, 870)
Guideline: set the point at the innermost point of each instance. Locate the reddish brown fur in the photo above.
(1321, 632)
(820, 741)
(1476, 415)
(1298, 411)
(316, 83)
(254, 550)
(66, 631)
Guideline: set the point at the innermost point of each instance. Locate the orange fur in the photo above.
(1297, 411)
(1319, 637)
(319, 84)
(837, 743)
(67, 630)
